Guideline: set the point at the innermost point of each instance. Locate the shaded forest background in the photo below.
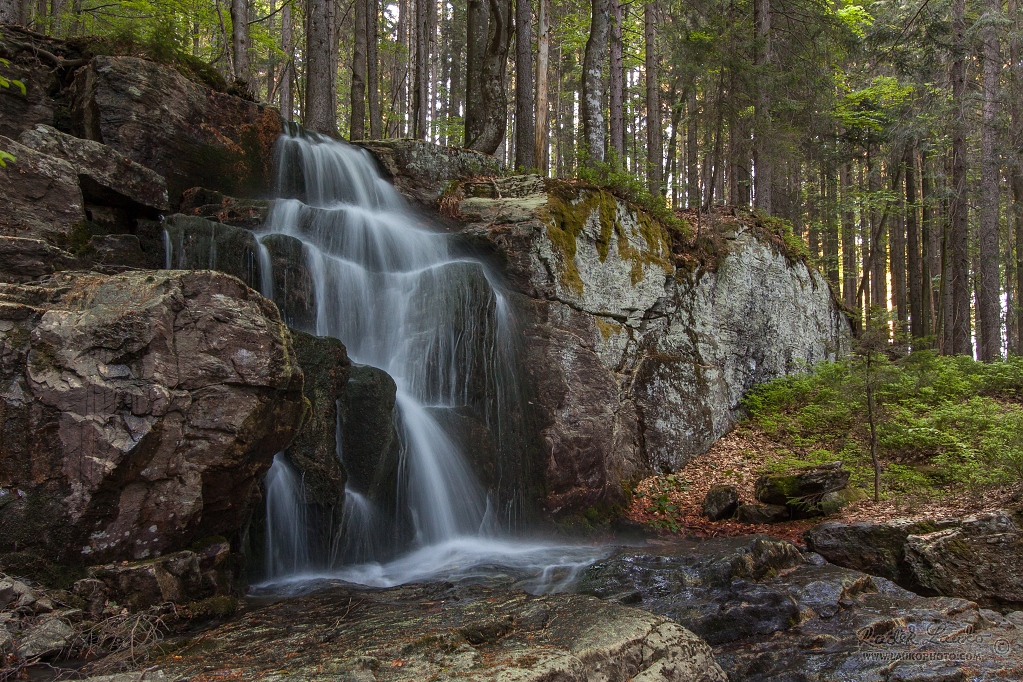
(888, 136)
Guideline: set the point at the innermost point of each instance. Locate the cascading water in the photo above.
(401, 299)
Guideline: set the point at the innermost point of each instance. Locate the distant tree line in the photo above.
(889, 135)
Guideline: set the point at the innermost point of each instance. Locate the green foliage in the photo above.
(944, 421)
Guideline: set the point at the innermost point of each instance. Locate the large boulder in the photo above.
(432, 631)
(370, 446)
(980, 559)
(107, 178)
(638, 362)
(139, 411)
(315, 450)
(40, 195)
(190, 134)
(875, 548)
(423, 171)
(806, 492)
(248, 213)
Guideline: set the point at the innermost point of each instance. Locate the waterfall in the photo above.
(287, 541)
(400, 297)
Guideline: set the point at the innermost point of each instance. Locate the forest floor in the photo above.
(673, 503)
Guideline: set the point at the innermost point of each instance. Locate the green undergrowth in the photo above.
(945, 424)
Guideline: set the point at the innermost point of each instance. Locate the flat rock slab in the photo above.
(469, 632)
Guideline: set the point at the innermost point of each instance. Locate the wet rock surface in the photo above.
(469, 631)
(138, 411)
(773, 613)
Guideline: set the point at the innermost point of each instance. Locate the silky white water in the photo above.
(394, 291)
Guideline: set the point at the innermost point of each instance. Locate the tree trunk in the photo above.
(1017, 203)
(897, 242)
(376, 118)
(762, 161)
(616, 86)
(1016, 98)
(593, 83)
(848, 241)
(477, 31)
(240, 40)
(692, 155)
(831, 220)
(930, 237)
(917, 330)
(654, 133)
(543, 48)
(420, 91)
(321, 67)
(493, 103)
(288, 68)
(959, 237)
(358, 89)
(525, 128)
(989, 308)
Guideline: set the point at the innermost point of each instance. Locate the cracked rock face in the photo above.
(637, 365)
(471, 632)
(138, 411)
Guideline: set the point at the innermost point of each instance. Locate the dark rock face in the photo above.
(774, 614)
(314, 452)
(762, 513)
(23, 259)
(20, 112)
(802, 491)
(721, 502)
(193, 136)
(422, 171)
(874, 548)
(138, 411)
(107, 178)
(980, 559)
(179, 577)
(370, 446)
(200, 244)
(205, 203)
(475, 632)
(975, 558)
(40, 195)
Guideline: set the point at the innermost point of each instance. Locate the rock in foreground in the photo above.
(774, 614)
(138, 411)
(470, 632)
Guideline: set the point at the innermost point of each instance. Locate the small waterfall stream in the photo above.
(396, 293)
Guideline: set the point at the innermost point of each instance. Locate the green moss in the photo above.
(570, 208)
(214, 608)
(199, 545)
(607, 329)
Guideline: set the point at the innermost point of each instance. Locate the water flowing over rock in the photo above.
(139, 411)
